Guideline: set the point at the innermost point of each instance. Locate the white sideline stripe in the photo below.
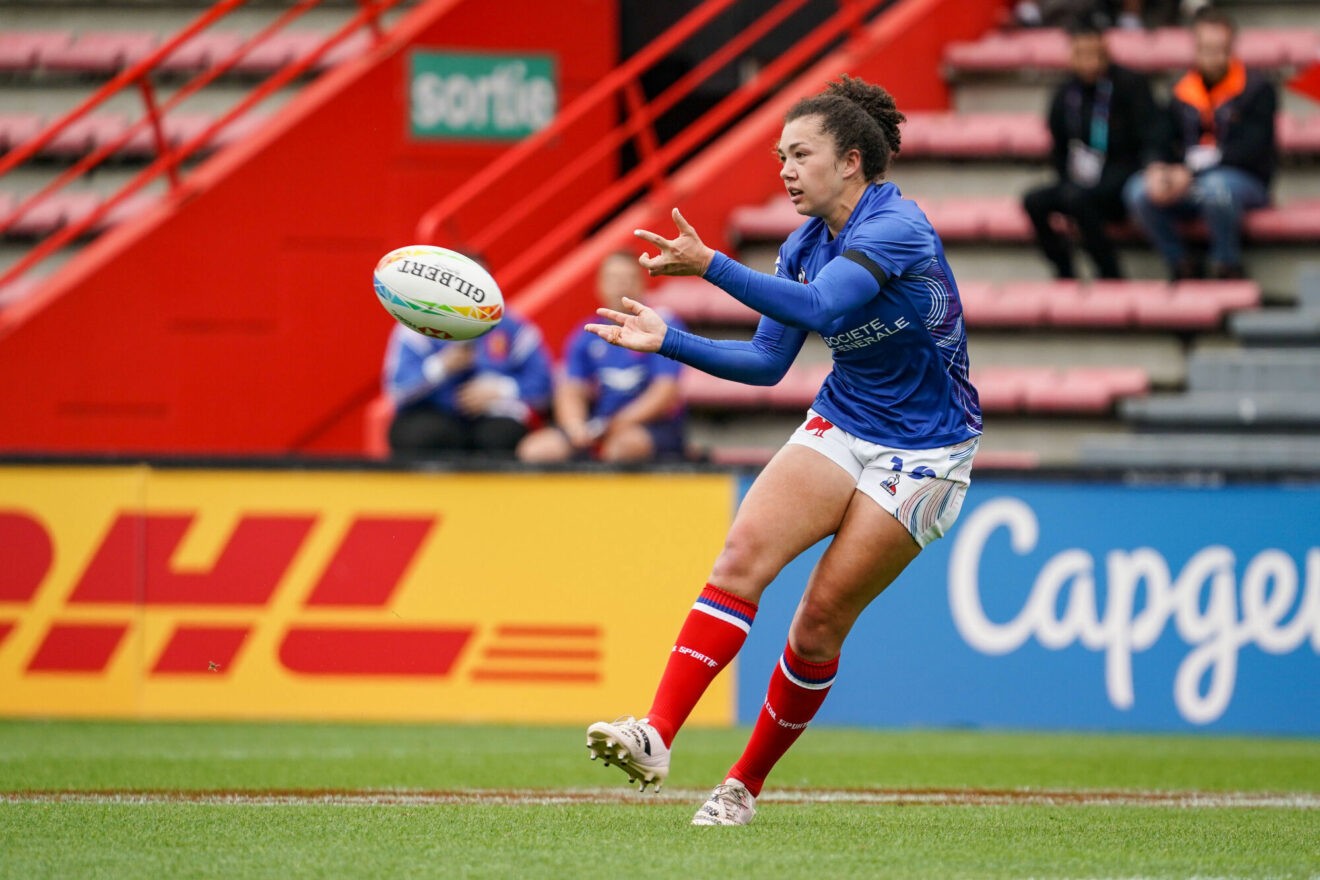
(557, 797)
(723, 615)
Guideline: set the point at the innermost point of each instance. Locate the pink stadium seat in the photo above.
(201, 52)
(1180, 310)
(1006, 220)
(916, 133)
(956, 219)
(100, 52)
(1074, 305)
(1005, 389)
(1047, 48)
(703, 390)
(1131, 48)
(1169, 49)
(278, 50)
(376, 427)
(1071, 392)
(1277, 47)
(798, 388)
(1007, 459)
(1028, 136)
(742, 456)
(1296, 221)
(685, 297)
(720, 308)
(994, 53)
(1231, 295)
(1298, 135)
(238, 130)
(773, 220)
(969, 135)
(16, 128)
(24, 51)
(349, 48)
(86, 134)
(124, 211)
(56, 210)
(1016, 304)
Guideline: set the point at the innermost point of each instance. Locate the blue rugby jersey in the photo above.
(513, 351)
(617, 376)
(882, 296)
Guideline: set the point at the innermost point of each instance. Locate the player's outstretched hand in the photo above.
(643, 330)
(685, 255)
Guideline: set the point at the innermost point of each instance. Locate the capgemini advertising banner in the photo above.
(1088, 607)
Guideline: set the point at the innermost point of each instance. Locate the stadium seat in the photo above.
(376, 427)
(278, 50)
(25, 51)
(1019, 304)
(124, 211)
(347, 49)
(1028, 136)
(1298, 135)
(798, 388)
(56, 210)
(703, 390)
(201, 52)
(1277, 47)
(100, 52)
(17, 290)
(1297, 221)
(86, 134)
(1177, 309)
(697, 302)
(16, 128)
(1085, 390)
(1231, 295)
(956, 219)
(1004, 219)
(1095, 305)
(773, 220)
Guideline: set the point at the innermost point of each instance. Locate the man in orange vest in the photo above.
(1220, 155)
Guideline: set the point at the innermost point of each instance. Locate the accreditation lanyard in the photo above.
(1104, 92)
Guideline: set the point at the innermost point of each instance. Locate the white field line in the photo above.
(547, 797)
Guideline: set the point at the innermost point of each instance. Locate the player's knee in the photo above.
(630, 444)
(818, 629)
(546, 445)
(740, 567)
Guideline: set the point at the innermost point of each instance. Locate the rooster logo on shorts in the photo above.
(891, 485)
(818, 426)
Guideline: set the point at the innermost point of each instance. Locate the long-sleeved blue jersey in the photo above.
(513, 352)
(882, 296)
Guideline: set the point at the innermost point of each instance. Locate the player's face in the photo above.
(809, 167)
(1214, 47)
(618, 277)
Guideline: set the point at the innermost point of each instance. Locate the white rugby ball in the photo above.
(438, 292)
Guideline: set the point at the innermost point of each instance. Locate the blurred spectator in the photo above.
(612, 403)
(1218, 159)
(1100, 121)
(472, 397)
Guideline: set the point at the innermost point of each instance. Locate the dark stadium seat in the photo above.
(100, 52)
(22, 51)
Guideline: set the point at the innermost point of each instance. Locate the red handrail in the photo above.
(655, 161)
(168, 159)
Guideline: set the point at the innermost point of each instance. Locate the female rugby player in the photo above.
(882, 460)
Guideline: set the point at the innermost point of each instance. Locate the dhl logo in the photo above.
(132, 569)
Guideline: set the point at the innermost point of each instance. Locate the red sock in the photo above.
(712, 635)
(797, 689)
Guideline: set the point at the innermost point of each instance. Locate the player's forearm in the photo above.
(763, 361)
(839, 288)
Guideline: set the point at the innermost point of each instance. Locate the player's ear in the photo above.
(851, 164)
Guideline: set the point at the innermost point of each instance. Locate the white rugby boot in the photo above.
(729, 804)
(635, 746)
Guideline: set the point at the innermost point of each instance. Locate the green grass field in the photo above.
(321, 800)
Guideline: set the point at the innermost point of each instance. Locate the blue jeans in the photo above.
(1219, 196)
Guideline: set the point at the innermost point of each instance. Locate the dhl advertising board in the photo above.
(141, 592)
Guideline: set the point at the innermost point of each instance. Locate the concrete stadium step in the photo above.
(1273, 453)
(1218, 409)
(1297, 327)
(1255, 370)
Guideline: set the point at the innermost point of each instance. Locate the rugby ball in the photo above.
(438, 292)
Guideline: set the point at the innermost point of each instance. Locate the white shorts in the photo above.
(922, 488)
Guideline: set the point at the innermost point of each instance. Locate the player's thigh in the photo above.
(798, 499)
(870, 549)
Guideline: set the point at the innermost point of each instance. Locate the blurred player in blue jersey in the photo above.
(612, 403)
(474, 397)
(882, 460)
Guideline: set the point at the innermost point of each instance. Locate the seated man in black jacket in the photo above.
(1219, 155)
(1100, 121)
